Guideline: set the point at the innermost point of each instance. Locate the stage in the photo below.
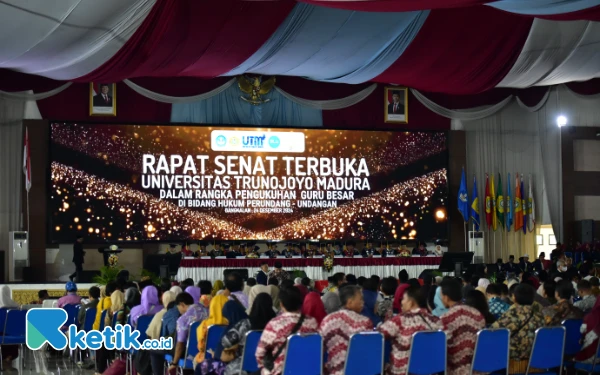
(212, 269)
(24, 294)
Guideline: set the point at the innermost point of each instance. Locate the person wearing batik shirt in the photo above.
(337, 328)
(401, 328)
(590, 331)
(461, 324)
(588, 300)
(497, 304)
(279, 274)
(277, 330)
(385, 308)
(522, 320)
(562, 309)
(191, 311)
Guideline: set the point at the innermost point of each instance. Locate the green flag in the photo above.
(500, 201)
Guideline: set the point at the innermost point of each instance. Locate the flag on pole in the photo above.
(475, 205)
(518, 205)
(463, 198)
(500, 202)
(523, 206)
(493, 195)
(530, 208)
(509, 209)
(488, 203)
(27, 162)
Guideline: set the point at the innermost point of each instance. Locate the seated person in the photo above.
(511, 267)
(337, 328)
(400, 329)
(201, 252)
(590, 330)
(368, 251)
(524, 264)
(351, 251)
(190, 312)
(276, 332)
(562, 309)
(71, 297)
(588, 300)
(522, 320)
(42, 296)
(497, 306)
(94, 294)
(461, 324)
(421, 249)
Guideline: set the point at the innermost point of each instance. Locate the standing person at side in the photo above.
(275, 334)
(263, 275)
(461, 324)
(78, 255)
(337, 328)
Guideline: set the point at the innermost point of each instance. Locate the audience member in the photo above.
(461, 323)
(496, 304)
(249, 284)
(191, 312)
(42, 296)
(482, 285)
(274, 293)
(154, 328)
(254, 292)
(595, 282)
(403, 277)
(467, 285)
(165, 284)
(562, 309)
(205, 292)
(218, 287)
(71, 297)
(117, 308)
(331, 301)
(549, 291)
(133, 297)
(234, 284)
(400, 329)
(274, 336)
(588, 300)
(103, 304)
(94, 295)
(360, 281)
(307, 284)
(590, 330)
(313, 307)
(504, 293)
(279, 273)
(385, 309)
(337, 328)
(215, 317)
(186, 283)
(439, 307)
(148, 305)
(351, 279)
(369, 310)
(522, 320)
(261, 313)
(477, 300)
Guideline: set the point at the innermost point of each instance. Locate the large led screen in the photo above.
(184, 183)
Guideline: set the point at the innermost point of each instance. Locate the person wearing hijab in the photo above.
(274, 293)
(217, 287)
(132, 298)
(313, 307)
(104, 303)
(260, 314)
(169, 319)
(195, 292)
(176, 289)
(205, 293)
(118, 308)
(215, 317)
(149, 305)
(157, 360)
(254, 292)
(71, 298)
(482, 285)
(6, 300)
(297, 281)
(439, 309)
(590, 330)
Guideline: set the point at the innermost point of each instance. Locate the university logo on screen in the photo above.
(254, 141)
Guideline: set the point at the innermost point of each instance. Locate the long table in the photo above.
(212, 269)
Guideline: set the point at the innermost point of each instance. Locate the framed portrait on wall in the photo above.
(396, 104)
(103, 99)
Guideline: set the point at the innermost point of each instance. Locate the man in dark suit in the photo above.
(396, 108)
(103, 99)
(78, 255)
(263, 274)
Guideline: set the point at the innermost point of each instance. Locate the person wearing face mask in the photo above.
(399, 329)
(337, 328)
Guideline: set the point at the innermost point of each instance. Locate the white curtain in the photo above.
(12, 113)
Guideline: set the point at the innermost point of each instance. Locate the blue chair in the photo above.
(3, 312)
(573, 335)
(590, 368)
(102, 318)
(90, 317)
(249, 364)
(427, 353)
(547, 351)
(304, 355)
(72, 311)
(142, 326)
(213, 338)
(491, 351)
(14, 332)
(364, 351)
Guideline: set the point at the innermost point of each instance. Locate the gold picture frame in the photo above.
(399, 113)
(103, 99)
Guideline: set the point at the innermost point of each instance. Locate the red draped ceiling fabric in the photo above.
(194, 38)
(395, 5)
(461, 51)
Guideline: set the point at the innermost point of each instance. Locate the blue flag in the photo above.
(475, 205)
(509, 206)
(463, 198)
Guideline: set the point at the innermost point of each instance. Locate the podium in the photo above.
(108, 251)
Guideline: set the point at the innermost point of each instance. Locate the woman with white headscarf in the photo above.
(482, 285)
(255, 291)
(6, 300)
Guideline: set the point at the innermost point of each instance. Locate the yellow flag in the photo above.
(494, 208)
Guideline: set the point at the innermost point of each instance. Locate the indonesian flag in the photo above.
(27, 162)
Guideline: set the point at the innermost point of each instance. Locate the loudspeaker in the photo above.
(242, 271)
(87, 276)
(584, 231)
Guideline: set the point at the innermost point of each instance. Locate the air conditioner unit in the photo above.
(477, 246)
(18, 255)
